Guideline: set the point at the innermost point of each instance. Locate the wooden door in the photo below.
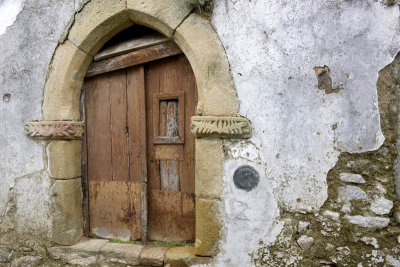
(170, 102)
(139, 151)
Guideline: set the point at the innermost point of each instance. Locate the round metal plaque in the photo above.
(246, 178)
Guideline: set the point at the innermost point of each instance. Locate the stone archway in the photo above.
(217, 107)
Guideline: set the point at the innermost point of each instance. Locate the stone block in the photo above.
(87, 249)
(122, 253)
(209, 168)
(153, 256)
(64, 83)
(352, 178)
(200, 43)
(5, 256)
(64, 159)
(66, 205)
(368, 221)
(208, 227)
(179, 256)
(163, 16)
(28, 261)
(98, 21)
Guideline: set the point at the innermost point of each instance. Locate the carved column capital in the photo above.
(66, 130)
(221, 127)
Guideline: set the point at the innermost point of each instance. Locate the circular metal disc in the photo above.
(246, 178)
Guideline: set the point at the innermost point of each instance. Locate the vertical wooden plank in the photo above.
(187, 83)
(162, 127)
(98, 129)
(88, 85)
(118, 103)
(136, 121)
(152, 85)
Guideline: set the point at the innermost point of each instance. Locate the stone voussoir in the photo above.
(200, 43)
(153, 256)
(97, 22)
(64, 83)
(164, 16)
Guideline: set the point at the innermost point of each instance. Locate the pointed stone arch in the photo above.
(95, 24)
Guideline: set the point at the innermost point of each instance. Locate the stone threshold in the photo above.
(101, 252)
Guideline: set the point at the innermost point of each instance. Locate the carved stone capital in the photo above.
(54, 129)
(221, 127)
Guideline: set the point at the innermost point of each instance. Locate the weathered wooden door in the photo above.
(139, 152)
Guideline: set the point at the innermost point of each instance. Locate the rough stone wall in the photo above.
(306, 73)
(30, 31)
(325, 130)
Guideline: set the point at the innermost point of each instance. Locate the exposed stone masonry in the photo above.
(358, 225)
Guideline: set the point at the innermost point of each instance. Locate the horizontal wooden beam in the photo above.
(133, 58)
(131, 45)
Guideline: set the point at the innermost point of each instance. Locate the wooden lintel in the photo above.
(134, 58)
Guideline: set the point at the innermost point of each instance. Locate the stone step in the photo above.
(102, 252)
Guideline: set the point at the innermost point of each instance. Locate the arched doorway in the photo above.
(139, 153)
(216, 109)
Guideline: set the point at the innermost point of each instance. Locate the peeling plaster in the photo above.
(9, 9)
(299, 130)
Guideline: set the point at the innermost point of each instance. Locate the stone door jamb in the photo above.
(216, 118)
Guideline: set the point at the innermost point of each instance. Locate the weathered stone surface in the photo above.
(64, 83)
(391, 261)
(87, 250)
(121, 253)
(305, 242)
(86, 261)
(26, 261)
(216, 91)
(67, 211)
(370, 241)
(5, 256)
(381, 205)
(396, 215)
(303, 226)
(208, 227)
(352, 178)
(179, 256)
(153, 256)
(368, 221)
(209, 168)
(64, 159)
(54, 129)
(351, 192)
(165, 16)
(332, 215)
(97, 23)
(220, 127)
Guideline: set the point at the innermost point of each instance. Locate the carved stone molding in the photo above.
(221, 127)
(54, 129)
